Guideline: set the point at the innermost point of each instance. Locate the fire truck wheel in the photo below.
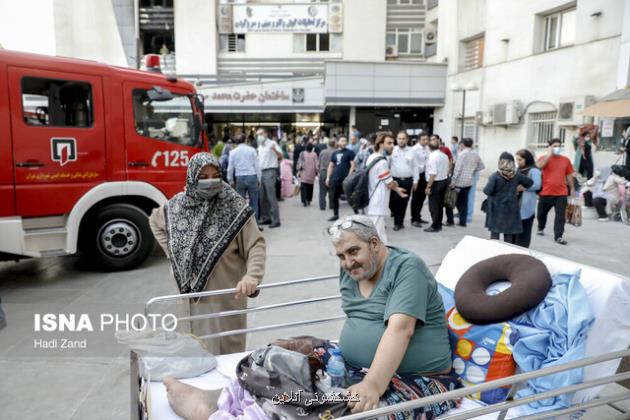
(119, 237)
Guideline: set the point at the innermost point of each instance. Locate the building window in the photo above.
(232, 43)
(57, 103)
(318, 42)
(559, 29)
(542, 128)
(473, 53)
(404, 42)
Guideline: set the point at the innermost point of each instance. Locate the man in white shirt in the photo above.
(244, 172)
(405, 173)
(421, 154)
(381, 183)
(437, 181)
(269, 155)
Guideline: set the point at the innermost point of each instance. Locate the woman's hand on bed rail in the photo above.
(246, 287)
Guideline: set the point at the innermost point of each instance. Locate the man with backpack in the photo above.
(381, 183)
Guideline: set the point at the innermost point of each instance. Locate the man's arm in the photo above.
(542, 162)
(427, 191)
(331, 167)
(230, 170)
(389, 354)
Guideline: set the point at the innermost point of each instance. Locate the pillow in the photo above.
(481, 353)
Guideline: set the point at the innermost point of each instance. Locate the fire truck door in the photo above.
(161, 135)
(7, 193)
(58, 138)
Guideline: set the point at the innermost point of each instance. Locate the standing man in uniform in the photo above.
(405, 173)
(269, 156)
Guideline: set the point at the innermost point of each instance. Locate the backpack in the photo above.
(356, 186)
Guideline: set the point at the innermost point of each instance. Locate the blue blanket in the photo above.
(551, 334)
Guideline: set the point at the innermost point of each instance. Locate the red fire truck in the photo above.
(87, 151)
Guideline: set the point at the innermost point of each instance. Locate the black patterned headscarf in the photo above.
(200, 230)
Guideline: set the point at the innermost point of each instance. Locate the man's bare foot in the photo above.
(189, 402)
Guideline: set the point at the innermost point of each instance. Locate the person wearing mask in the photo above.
(503, 215)
(583, 159)
(307, 171)
(436, 174)
(324, 161)
(367, 148)
(210, 236)
(355, 140)
(528, 196)
(557, 173)
(299, 148)
(244, 172)
(269, 156)
(338, 170)
(405, 173)
(421, 155)
(381, 183)
(466, 165)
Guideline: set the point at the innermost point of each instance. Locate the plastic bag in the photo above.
(573, 213)
(166, 353)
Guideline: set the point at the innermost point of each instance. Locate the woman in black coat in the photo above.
(503, 214)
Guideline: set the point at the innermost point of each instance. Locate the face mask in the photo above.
(261, 139)
(557, 151)
(209, 188)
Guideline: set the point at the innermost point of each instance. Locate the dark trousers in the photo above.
(278, 185)
(306, 192)
(450, 219)
(510, 239)
(323, 190)
(559, 204)
(417, 199)
(525, 238)
(588, 198)
(335, 192)
(397, 203)
(436, 202)
(600, 206)
(248, 186)
(462, 204)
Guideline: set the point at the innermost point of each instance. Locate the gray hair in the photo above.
(362, 226)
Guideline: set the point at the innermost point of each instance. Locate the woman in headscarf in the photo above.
(210, 235)
(308, 163)
(503, 214)
(527, 196)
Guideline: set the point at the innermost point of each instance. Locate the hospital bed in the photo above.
(608, 341)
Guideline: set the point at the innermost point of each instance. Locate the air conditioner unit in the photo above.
(569, 108)
(391, 51)
(430, 37)
(507, 113)
(483, 117)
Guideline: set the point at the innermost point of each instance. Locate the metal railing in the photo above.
(500, 408)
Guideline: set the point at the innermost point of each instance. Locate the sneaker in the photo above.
(332, 219)
(416, 224)
(450, 224)
(540, 233)
(432, 229)
(398, 227)
(264, 222)
(603, 219)
(275, 225)
(561, 241)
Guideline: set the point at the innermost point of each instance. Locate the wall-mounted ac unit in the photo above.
(335, 18)
(569, 108)
(391, 51)
(430, 37)
(483, 117)
(507, 113)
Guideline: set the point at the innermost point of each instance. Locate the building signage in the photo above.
(250, 97)
(301, 18)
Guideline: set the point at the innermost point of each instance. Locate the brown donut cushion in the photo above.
(529, 283)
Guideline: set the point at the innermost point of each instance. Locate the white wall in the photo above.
(196, 36)
(88, 30)
(516, 71)
(364, 25)
(27, 25)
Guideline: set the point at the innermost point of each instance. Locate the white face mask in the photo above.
(261, 139)
(209, 188)
(557, 151)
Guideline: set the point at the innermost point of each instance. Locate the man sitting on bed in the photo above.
(395, 324)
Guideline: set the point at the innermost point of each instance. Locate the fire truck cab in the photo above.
(87, 151)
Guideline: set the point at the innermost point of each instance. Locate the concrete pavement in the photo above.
(98, 387)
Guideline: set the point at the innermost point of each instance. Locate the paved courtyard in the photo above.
(35, 386)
